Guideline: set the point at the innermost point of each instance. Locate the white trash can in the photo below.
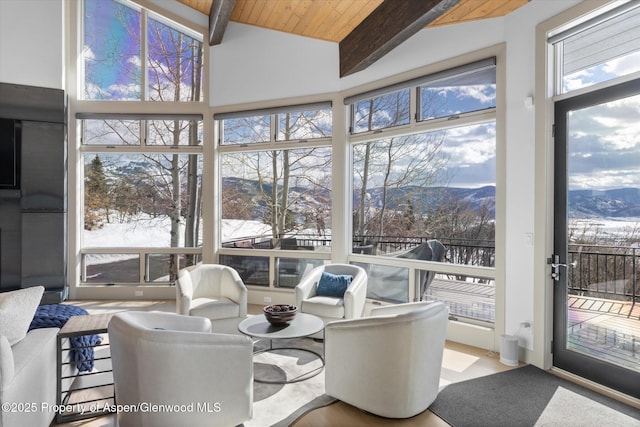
(509, 350)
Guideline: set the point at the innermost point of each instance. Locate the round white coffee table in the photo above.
(303, 325)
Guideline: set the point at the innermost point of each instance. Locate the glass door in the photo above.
(596, 266)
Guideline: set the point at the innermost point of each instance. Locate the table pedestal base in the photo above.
(302, 377)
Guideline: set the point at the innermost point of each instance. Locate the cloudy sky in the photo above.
(604, 139)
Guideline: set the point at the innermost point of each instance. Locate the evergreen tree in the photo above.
(96, 195)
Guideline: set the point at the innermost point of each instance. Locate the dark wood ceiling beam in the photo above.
(390, 24)
(218, 19)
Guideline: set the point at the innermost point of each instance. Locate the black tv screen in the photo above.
(9, 154)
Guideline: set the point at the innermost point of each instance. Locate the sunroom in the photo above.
(257, 154)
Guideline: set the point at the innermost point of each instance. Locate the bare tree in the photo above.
(391, 165)
(173, 67)
(398, 169)
(287, 181)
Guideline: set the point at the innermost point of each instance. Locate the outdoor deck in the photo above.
(609, 329)
(465, 299)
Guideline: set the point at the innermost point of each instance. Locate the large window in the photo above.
(274, 194)
(141, 170)
(143, 198)
(122, 61)
(427, 191)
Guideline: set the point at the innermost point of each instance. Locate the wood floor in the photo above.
(461, 362)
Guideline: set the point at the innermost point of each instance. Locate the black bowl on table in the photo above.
(279, 314)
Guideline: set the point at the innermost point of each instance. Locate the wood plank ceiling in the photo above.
(333, 20)
(365, 29)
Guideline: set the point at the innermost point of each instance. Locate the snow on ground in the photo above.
(149, 232)
(154, 232)
(233, 229)
(610, 227)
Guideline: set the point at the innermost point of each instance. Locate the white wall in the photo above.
(520, 134)
(254, 64)
(32, 42)
(520, 172)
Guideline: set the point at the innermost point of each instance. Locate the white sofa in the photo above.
(27, 364)
(388, 364)
(28, 375)
(174, 361)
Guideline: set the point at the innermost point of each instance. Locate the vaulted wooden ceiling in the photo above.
(365, 29)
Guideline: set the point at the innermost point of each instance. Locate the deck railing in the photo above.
(459, 251)
(609, 272)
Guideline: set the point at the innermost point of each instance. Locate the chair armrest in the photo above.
(361, 323)
(388, 310)
(184, 292)
(307, 287)
(211, 342)
(233, 288)
(355, 298)
(157, 320)
(387, 315)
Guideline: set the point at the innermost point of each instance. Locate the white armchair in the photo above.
(166, 359)
(213, 291)
(388, 364)
(329, 308)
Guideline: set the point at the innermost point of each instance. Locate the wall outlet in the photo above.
(267, 299)
(138, 293)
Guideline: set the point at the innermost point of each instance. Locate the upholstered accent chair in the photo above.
(213, 291)
(166, 359)
(387, 364)
(330, 306)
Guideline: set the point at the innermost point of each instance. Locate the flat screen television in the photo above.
(9, 154)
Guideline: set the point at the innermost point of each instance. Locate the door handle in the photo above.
(555, 263)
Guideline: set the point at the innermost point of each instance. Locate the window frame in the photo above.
(145, 251)
(556, 38)
(119, 109)
(147, 11)
(493, 114)
(273, 256)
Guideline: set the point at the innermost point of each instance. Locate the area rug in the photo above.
(529, 396)
(280, 405)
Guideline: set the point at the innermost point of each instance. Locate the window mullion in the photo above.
(415, 106)
(558, 51)
(273, 124)
(464, 119)
(143, 54)
(271, 146)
